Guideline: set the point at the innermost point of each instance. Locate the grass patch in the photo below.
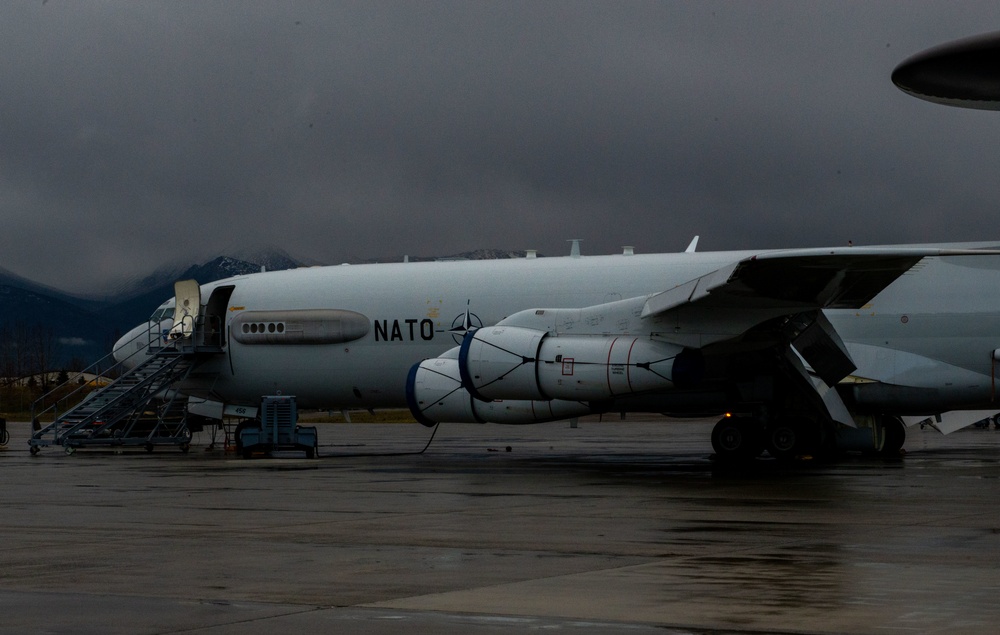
(400, 415)
(15, 401)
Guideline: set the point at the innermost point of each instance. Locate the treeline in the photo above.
(29, 352)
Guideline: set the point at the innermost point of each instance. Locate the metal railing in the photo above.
(102, 373)
(106, 370)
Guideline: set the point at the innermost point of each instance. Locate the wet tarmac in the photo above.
(623, 527)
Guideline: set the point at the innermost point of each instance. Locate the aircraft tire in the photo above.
(237, 441)
(783, 440)
(736, 438)
(894, 436)
(789, 437)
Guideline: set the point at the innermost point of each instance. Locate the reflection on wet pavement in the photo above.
(603, 528)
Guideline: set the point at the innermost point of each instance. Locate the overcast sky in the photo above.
(137, 134)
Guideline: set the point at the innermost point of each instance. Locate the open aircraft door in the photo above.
(215, 315)
(187, 294)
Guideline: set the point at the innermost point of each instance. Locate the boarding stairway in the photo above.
(129, 404)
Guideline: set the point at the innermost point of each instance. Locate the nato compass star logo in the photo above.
(463, 323)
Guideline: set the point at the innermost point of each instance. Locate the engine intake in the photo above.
(434, 393)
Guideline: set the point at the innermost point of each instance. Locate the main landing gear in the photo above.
(742, 438)
(784, 438)
(738, 438)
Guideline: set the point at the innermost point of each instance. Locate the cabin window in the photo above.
(260, 327)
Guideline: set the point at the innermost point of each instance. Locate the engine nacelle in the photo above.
(510, 362)
(435, 393)
(500, 362)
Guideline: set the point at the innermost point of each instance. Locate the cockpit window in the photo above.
(163, 313)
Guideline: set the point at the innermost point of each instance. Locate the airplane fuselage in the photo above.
(763, 334)
(933, 331)
(415, 311)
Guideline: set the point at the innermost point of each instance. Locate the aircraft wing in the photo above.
(726, 304)
(797, 280)
(948, 422)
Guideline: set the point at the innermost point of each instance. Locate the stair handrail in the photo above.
(94, 369)
(149, 386)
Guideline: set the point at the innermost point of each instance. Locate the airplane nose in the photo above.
(117, 350)
(129, 344)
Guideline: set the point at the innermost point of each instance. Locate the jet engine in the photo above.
(513, 374)
(511, 362)
(435, 393)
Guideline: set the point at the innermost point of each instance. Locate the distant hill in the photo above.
(235, 264)
(10, 280)
(74, 331)
(84, 329)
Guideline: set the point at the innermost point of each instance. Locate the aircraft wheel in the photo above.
(149, 447)
(894, 435)
(783, 440)
(240, 427)
(185, 447)
(35, 450)
(736, 438)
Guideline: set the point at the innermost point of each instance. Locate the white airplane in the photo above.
(801, 350)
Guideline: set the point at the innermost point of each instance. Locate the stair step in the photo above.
(115, 412)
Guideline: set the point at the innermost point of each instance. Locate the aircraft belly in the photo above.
(901, 347)
(893, 366)
(320, 376)
(909, 400)
(919, 362)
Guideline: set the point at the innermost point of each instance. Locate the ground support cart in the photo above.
(276, 429)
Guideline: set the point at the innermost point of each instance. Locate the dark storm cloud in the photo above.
(136, 134)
